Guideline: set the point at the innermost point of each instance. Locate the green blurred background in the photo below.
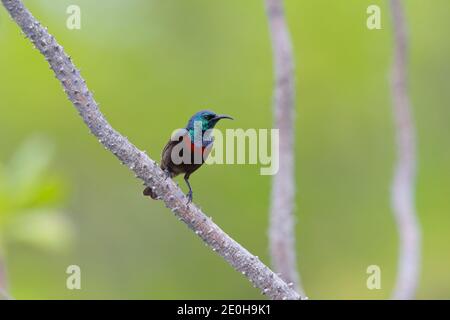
(154, 63)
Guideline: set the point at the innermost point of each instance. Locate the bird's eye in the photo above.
(208, 116)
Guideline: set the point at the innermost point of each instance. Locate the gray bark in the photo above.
(282, 222)
(405, 171)
(143, 167)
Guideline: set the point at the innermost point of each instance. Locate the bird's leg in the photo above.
(189, 194)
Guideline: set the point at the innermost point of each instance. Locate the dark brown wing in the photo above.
(166, 156)
(166, 160)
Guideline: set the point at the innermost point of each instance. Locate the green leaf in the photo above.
(29, 163)
(46, 229)
(50, 191)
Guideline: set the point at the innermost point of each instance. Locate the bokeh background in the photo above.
(65, 200)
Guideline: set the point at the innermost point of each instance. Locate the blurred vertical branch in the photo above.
(2, 273)
(3, 279)
(282, 223)
(405, 172)
(140, 164)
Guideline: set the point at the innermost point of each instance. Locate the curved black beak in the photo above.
(221, 116)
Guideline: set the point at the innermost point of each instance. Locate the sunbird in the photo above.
(195, 139)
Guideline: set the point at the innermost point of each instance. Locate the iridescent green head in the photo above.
(205, 120)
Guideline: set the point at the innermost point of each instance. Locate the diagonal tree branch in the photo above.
(405, 172)
(143, 167)
(282, 224)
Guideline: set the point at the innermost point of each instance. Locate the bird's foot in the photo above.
(167, 172)
(189, 197)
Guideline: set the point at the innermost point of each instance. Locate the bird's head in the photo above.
(206, 118)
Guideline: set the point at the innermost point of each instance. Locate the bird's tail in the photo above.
(150, 193)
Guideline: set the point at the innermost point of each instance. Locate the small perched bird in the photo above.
(193, 145)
